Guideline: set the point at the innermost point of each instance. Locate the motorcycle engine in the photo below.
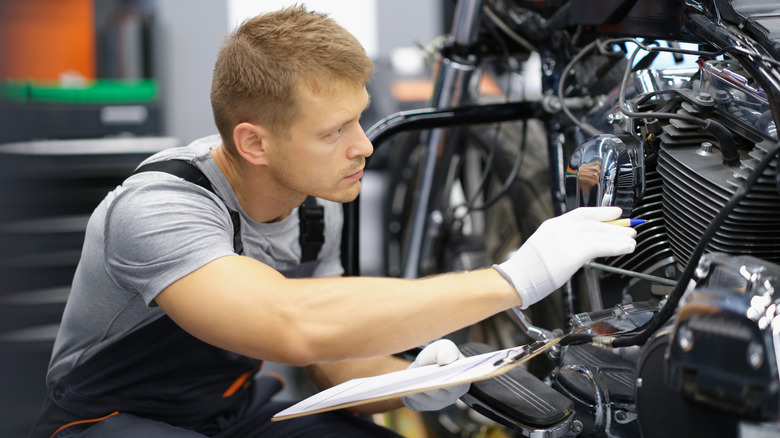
(713, 371)
(672, 173)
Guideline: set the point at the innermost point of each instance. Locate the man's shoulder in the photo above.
(193, 152)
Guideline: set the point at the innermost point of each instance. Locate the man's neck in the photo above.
(255, 189)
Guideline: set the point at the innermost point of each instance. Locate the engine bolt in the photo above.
(755, 355)
(685, 338)
(702, 269)
(615, 118)
(705, 99)
(705, 149)
(576, 426)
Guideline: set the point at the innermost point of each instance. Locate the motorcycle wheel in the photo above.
(481, 236)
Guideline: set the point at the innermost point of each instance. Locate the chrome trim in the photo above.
(603, 171)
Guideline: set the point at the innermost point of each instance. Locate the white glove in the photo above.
(560, 246)
(441, 352)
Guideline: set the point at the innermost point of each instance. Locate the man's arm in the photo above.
(244, 306)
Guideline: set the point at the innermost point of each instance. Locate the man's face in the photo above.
(326, 150)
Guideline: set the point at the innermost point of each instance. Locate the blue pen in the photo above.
(626, 222)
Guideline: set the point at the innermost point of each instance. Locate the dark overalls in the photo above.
(161, 381)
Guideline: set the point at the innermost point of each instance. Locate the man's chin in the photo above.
(342, 197)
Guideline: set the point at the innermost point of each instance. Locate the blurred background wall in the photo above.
(89, 88)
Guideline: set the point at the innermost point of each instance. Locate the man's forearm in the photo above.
(393, 315)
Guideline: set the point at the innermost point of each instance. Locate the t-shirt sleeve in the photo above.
(160, 232)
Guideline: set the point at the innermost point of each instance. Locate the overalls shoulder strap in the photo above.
(311, 215)
(312, 222)
(190, 173)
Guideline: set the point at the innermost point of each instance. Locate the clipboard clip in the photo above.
(516, 354)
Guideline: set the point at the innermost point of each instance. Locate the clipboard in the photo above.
(365, 390)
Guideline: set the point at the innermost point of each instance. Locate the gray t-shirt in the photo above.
(156, 228)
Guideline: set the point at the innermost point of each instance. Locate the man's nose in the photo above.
(361, 146)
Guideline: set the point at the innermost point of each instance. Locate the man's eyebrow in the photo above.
(368, 103)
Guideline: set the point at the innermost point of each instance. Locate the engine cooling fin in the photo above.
(697, 185)
(652, 248)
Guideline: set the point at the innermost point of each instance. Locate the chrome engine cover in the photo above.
(603, 171)
(725, 347)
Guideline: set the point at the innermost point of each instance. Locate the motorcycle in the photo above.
(679, 338)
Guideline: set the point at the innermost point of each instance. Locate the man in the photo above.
(170, 314)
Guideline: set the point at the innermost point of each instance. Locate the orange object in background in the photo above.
(421, 90)
(44, 39)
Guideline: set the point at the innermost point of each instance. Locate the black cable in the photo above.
(510, 178)
(602, 46)
(589, 129)
(507, 30)
(726, 142)
(483, 178)
(728, 50)
(647, 114)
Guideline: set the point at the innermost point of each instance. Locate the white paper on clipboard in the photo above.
(392, 385)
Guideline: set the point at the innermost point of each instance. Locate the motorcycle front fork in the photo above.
(455, 84)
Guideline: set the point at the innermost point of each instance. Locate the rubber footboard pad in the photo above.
(518, 394)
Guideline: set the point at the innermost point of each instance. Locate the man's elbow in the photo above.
(298, 356)
(299, 348)
(303, 342)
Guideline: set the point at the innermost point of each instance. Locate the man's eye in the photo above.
(336, 133)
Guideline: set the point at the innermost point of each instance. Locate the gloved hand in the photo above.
(441, 352)
(560, 246)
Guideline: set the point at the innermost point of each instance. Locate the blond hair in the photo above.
(264, 61)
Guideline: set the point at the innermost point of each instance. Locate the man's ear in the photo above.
(251, 141)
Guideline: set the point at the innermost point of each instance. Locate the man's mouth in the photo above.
(356, 175)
